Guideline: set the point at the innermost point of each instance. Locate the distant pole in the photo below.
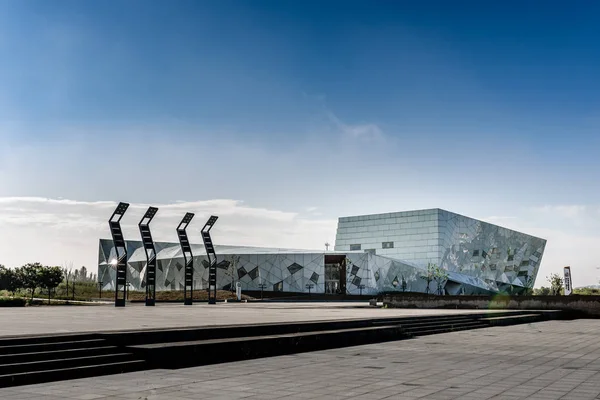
(309, 286)
(262, 286)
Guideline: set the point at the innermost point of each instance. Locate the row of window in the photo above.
(511, 257)
(384, 245)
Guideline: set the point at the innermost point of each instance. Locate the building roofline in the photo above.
(438, 210)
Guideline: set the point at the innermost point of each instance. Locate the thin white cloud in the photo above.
(568, 211)
(53, 230)
(369, 132)
(494, 219)
(21, 200)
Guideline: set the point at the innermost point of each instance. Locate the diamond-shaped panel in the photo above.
(295, 267)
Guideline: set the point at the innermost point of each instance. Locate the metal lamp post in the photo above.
(309, 286)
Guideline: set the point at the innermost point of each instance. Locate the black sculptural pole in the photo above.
(148, 244)
(120, 262)
(188, 258)
(212, 259)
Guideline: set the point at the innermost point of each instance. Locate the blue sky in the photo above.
(338, 107)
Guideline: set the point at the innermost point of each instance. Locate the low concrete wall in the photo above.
(575, 304)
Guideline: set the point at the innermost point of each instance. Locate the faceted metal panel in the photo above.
(482, 257)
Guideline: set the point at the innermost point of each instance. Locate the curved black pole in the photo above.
(148, 244)
(188, 258)
(212, 259)
(121, 251)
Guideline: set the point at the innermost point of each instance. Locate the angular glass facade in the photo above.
(474, 253)
(373, 253)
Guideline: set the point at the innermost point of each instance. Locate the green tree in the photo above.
(14, 280)
(588, 291)
(440, 276)
(428, 275)
(31, 274)
(543, 291)
(403, 284)
(3, 277)
(50, 278)
(556, 284)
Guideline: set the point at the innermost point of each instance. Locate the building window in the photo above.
(355, 247)
(475, 253)
(387, 245)
(371, 251)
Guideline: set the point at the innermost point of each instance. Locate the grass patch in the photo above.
(177, 295)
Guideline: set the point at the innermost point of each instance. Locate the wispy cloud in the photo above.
(568, 211)
(369, 132)
(494, 219)
(53, 230)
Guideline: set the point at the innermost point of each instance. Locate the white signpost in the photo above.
(568, 282)
(238, 290)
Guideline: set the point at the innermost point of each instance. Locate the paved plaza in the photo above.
(68, 319)
(547, 360)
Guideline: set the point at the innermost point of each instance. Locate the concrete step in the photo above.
(49, 338)
(457, 320)
(212, 351)
(53, 354)
(41, 359)
(126, 338)
(48, 358)
(426, 329)
(85, 371)
(36, 345)
(416, 327)
(438, 330)
(57, 363)
(513, 319)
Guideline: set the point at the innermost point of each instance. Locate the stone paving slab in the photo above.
(543, 361)
(71, 319)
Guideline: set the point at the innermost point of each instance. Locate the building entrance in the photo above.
(335, 274)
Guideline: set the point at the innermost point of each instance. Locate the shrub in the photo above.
(14, 302)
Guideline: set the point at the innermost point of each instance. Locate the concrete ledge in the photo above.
(511, 320)
(574, 306)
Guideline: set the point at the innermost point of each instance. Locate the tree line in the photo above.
(33, 276)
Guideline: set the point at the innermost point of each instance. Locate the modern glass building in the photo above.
(373, 254)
